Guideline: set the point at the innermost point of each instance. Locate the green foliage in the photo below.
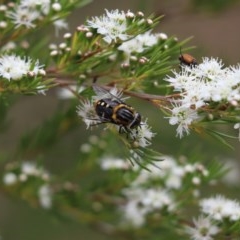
(45, 136)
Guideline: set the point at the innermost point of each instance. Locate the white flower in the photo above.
(131, 46)
(9, 178)
(108, 163)
(167, 169)
(23, 16)
(13, 67)
(148, 200)
(133, 212)
(198, 86)
(29, 168)
(180, 80)
(44, 5)
(196, 180)
(208, 81)
(87, 111)
(189, 168)
(210, 69)
(86, 148)
(112, 25)
(142, 201)
(142, 135)
(133, 215)
(157, 199)
(232, 176)
(59, 25)
(37, 68)
(139, 43)
(203, 229)
(45, 196)
(219, 208)
(24, 170)
(183, 116)
(174, 177)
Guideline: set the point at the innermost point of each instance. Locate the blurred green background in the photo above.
(214, 26)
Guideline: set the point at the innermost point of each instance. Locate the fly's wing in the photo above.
(100, 92)
(113, 93)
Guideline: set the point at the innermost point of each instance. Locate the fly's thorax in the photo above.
(117, 112)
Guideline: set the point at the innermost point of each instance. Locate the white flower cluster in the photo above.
(26, 172)
(45, 196)
(61, 48)
(141, 42)
(216, 212)
(141, 136)
(220, 208)
(13, 67)
(169, 176)
(171, 173)
(27, 12)
(198, 87)
(203, 229)
(113, 25)
(144, 201)
(108, 163)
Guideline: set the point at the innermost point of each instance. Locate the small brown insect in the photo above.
(187, 59)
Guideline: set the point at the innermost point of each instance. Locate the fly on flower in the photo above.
(108, 107)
